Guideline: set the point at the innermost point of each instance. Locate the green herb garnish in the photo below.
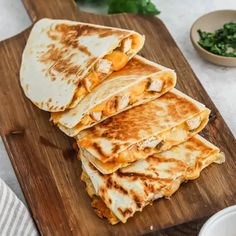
(145, 7)
(222, 42)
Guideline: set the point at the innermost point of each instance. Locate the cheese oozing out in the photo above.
(160, 142)
(121, 102)
(114, 61)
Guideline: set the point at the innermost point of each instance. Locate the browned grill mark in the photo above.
(110, 183)
(111, 32)
(115, 148)
(137, 199)
(158, 158)
(195, 144)
(72, 32)
(132, 123)
(51, 107)
(99, 149)
(68, 36)
(60, 62)
(127, 211)
(84, 49)
(141, 176)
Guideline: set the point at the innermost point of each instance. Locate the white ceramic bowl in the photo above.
(223, 223)
(211, 22)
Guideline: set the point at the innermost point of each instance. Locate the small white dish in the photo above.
(223, 223)
(209, 23)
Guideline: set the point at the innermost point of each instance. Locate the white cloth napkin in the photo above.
(15, 219)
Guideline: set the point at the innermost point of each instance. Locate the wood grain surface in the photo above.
(45, 162)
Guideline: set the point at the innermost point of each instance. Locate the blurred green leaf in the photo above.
(122, 6)
(145, 7)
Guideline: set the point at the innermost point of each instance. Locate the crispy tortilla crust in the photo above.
(131, 81)
(59, 56)
(133, 153)
(208, 154)
(98, 205)
(116, 134)
(104, 212)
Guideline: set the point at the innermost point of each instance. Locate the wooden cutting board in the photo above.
(45, 163)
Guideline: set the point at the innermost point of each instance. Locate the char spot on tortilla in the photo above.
(115, 148)
(195, 144)
(52, 107)
(125, 212)
(137, 198)
(59, 61)
(128, 125)
(138, 176)
(84, 49)
(110, 183)
(99, 149)
(69, 34)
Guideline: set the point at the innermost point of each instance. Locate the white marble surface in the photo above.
(220, 82)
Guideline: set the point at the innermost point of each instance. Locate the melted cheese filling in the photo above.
(116, 60)
(104, 211)
(164, 141)
(117, 103)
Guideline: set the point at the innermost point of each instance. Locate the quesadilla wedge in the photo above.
(119, 195)
(138, 82)
(64, 60)
(143, 130)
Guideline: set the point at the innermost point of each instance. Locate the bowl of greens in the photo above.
(214, 37)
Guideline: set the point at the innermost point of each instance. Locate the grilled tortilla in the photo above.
(64, 60)
(138, 82)
(143, 130)
(119, 195)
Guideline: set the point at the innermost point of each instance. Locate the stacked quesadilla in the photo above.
(64, 60)
(138, 82)
(139, 132)
(117, 196)
(137, 135)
